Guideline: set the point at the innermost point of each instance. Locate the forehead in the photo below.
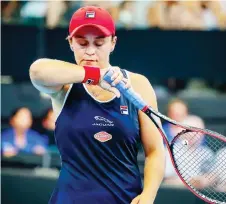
(23, 111)
(177, 104)
(90, 37)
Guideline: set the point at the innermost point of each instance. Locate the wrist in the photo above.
(92, 75)
(148, 195)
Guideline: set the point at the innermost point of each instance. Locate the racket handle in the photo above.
(130, 94)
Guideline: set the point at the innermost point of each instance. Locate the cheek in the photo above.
(78, 53)
(103, 53)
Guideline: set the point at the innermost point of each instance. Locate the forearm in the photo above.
(50, 72)
(153, 173)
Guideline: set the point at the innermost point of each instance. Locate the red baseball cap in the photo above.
(91, 16)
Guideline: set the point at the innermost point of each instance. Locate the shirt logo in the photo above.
(103, 136)
(89, 81)
(90, 14)
(101, 121)
(124, 110)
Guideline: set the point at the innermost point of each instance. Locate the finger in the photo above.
(127, 83)
(117, 80)
(115, 75)
(115, 91)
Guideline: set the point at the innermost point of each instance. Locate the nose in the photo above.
(90, 50)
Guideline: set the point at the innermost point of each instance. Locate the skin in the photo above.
(51, 76)
(177, 111)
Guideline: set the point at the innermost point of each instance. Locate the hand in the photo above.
(39, 150)
(10, 152)
(142, 199)
(116, 78)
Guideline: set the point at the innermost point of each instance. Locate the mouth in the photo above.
(86, 60)
(89, 62)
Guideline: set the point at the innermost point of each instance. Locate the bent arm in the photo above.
(49, 76)
(152, 142)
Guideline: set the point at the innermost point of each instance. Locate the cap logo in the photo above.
(90, 14)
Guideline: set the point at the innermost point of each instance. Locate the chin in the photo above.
(85, 63)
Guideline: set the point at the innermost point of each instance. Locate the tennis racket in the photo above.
(192, 162)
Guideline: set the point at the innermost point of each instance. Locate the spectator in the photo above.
(9, 10)
(214, 14)
(48, 125)
(176, 110)
(208, 15)
(34, 10)
(197, 88)
(156, 14)
(220, 167)
(140, 13)
(51, 11)
(126, 14)
(55, 12)
(184, 15)
(20, 137)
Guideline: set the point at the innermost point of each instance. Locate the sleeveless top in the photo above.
(98, 144)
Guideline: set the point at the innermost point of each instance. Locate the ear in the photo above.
(70, 44)
(114, 40)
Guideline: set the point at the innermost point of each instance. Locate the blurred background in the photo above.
(179, 45)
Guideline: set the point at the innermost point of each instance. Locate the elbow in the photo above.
(36, 68)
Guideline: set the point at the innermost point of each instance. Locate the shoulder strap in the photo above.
(124, 73)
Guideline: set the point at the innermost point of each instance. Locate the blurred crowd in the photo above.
(196, 15)
(26, 135)
(37, 137)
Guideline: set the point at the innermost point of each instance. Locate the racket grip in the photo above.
(130, 94)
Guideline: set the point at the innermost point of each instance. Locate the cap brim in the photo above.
(83, 28)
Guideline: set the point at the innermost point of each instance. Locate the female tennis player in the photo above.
(98, 132)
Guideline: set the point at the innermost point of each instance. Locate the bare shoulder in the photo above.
(142, 86)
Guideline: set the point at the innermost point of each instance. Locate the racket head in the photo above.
(201, 166)
(182, 165)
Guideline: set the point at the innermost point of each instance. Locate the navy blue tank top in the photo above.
(98, 143)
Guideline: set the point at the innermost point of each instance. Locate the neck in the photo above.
(20, 133)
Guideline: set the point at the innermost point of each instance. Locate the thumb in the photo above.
(135, 200)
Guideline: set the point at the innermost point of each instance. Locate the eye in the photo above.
(82, 42)
(99, 43)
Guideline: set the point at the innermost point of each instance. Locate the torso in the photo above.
(98, 139)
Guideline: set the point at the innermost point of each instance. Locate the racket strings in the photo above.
(202, 166)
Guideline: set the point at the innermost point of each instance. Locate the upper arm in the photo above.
(46, 89)
(150, 135)
(33, 72)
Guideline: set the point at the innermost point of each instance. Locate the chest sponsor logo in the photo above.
(124, 110)
(101, 121)
(103, 136)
